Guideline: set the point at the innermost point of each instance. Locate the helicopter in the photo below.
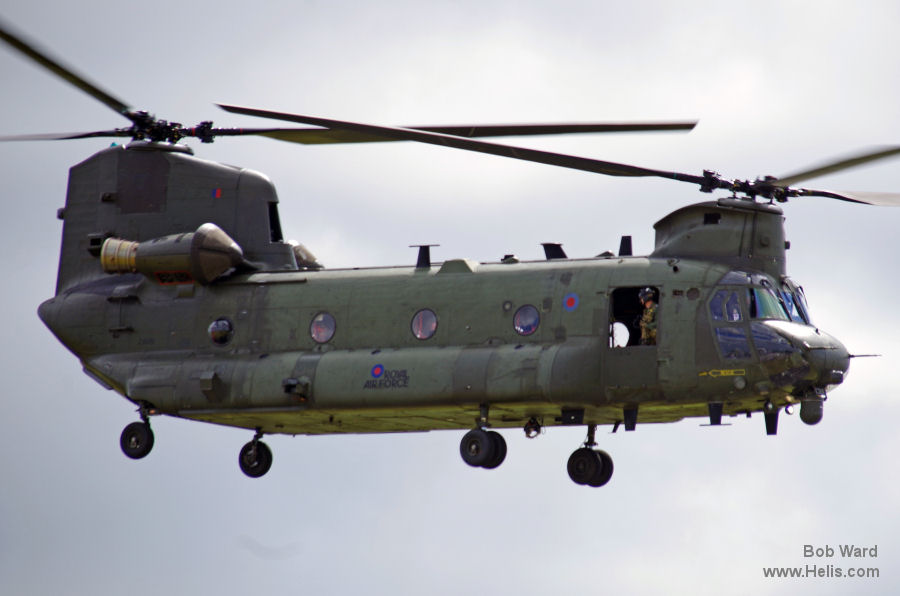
(177, 290)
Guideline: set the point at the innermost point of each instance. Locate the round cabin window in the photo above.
(526, 320)
(322, 327)
(220, 331)
(424, 324)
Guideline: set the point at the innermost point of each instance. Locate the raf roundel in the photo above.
(570, 302)
(377, 371)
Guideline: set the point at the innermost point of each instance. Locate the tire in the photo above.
(136, 440)
(583, 465)
(499, 446)
(477, 448)
(255, 460)
(604, 472)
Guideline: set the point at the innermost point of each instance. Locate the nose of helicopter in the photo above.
(826, 362)
(828, 359)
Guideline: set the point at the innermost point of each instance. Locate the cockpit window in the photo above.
(792, 306)
(733, 342)
(769, 344)
(801, 302)
(728, 315)
(765, 304)
(795, 303)
(725, 306)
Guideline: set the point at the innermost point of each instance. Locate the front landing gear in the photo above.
(137, 439)
(255, 458)
(588, 466)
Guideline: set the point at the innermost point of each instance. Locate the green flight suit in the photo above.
(648, 326)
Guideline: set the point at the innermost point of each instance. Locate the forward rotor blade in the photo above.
(508, 130)
(30, 50)
(881, 199)
(404, 134)
(311, 136)
(830, 167)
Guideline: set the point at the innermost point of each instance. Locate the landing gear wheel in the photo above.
(477, 448)
(136, 440)
(255, 459)
(583, 465)
(604, 472)
(499, 446)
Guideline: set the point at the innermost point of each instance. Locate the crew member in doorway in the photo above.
(648, 319)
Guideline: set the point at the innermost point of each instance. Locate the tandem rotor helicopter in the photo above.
(177, 290)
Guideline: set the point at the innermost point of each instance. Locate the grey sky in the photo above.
(776, 86)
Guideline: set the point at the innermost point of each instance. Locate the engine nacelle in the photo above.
(201, 256)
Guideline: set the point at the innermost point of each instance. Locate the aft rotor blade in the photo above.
(129, 132)
(65, 136)
(314, 136)
(405, 134)
(844, 163)
(30, 50)
(320, 136)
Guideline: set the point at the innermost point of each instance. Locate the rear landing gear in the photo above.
(137, 440)
(255, 458)
(588, 466)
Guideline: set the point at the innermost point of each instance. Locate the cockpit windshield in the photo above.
(761, 298)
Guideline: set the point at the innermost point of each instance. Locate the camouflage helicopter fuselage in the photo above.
(267, 344)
